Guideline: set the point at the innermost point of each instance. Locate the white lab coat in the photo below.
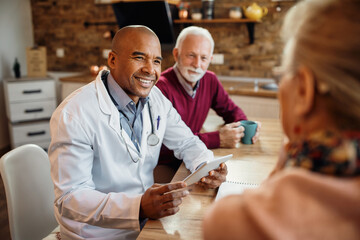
(98, 188)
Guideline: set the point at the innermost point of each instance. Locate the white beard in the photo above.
(193, 77)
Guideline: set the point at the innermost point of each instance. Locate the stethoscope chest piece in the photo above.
(152, 139)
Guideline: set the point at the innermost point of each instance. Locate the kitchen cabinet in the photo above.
(256, 102)
(257, 107)
(252, 97)
(254, 107)
(30, 103)
(72, 83)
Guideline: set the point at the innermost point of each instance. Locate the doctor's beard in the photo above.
(193, 77)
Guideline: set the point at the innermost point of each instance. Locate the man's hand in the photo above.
(230, 135)
(161, 200)
(215, 178)
(257, 134)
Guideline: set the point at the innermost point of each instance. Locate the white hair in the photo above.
(325, 37)
(194, 30)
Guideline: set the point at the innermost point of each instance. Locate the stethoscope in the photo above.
(152, 139)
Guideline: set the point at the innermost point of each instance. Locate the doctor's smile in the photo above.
(146, 82)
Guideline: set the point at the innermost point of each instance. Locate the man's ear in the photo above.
(305, 91)
(176, 54)
(111, 60)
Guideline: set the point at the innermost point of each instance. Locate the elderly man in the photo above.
(105, 144)
(193, 91)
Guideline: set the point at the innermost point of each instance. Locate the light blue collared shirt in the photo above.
(130, 114)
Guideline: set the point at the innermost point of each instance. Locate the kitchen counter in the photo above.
(233, 86)
(247, 89)
(254, 101)
(84, 78)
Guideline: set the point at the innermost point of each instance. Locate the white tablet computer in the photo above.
(204, 170)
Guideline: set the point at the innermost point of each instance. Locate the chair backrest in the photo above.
(29, 192)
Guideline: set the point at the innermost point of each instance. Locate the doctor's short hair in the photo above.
(325, 37)
(194, 30)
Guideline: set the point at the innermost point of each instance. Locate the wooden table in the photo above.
(251, 163)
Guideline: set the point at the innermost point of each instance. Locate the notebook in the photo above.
(233, 187)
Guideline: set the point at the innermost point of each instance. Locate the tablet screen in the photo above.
(204, 170)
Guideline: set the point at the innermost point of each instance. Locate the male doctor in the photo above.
(105, 144)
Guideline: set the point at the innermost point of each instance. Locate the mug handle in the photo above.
(265, 11)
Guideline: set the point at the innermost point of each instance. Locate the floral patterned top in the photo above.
(327, 152)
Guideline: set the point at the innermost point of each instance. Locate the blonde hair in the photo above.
(325, 35)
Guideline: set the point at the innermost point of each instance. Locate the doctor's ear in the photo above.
(111, 60)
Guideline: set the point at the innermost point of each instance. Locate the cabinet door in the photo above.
(30, 133)
(24, 111)
(258, 107)
(31, 90)
(68, 87)
(253, 107)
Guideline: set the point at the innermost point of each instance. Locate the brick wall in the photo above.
(60, 24)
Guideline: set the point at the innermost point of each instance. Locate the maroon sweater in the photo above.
(193, 111)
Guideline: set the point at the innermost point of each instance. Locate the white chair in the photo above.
(29, 192)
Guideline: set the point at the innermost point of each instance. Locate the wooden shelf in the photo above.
(250, 24)
(116, 1)
(216, 20)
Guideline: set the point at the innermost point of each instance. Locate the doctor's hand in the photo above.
(230, 135)
(162, 200)
(215, 178)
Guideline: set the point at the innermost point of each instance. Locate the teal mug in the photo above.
(250, 130)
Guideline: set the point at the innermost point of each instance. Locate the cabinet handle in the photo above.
(34, 110)
(32, 91)
(30, 134)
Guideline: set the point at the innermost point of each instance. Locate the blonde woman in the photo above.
(314, 192)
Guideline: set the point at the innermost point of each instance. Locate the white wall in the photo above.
(16, 33)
